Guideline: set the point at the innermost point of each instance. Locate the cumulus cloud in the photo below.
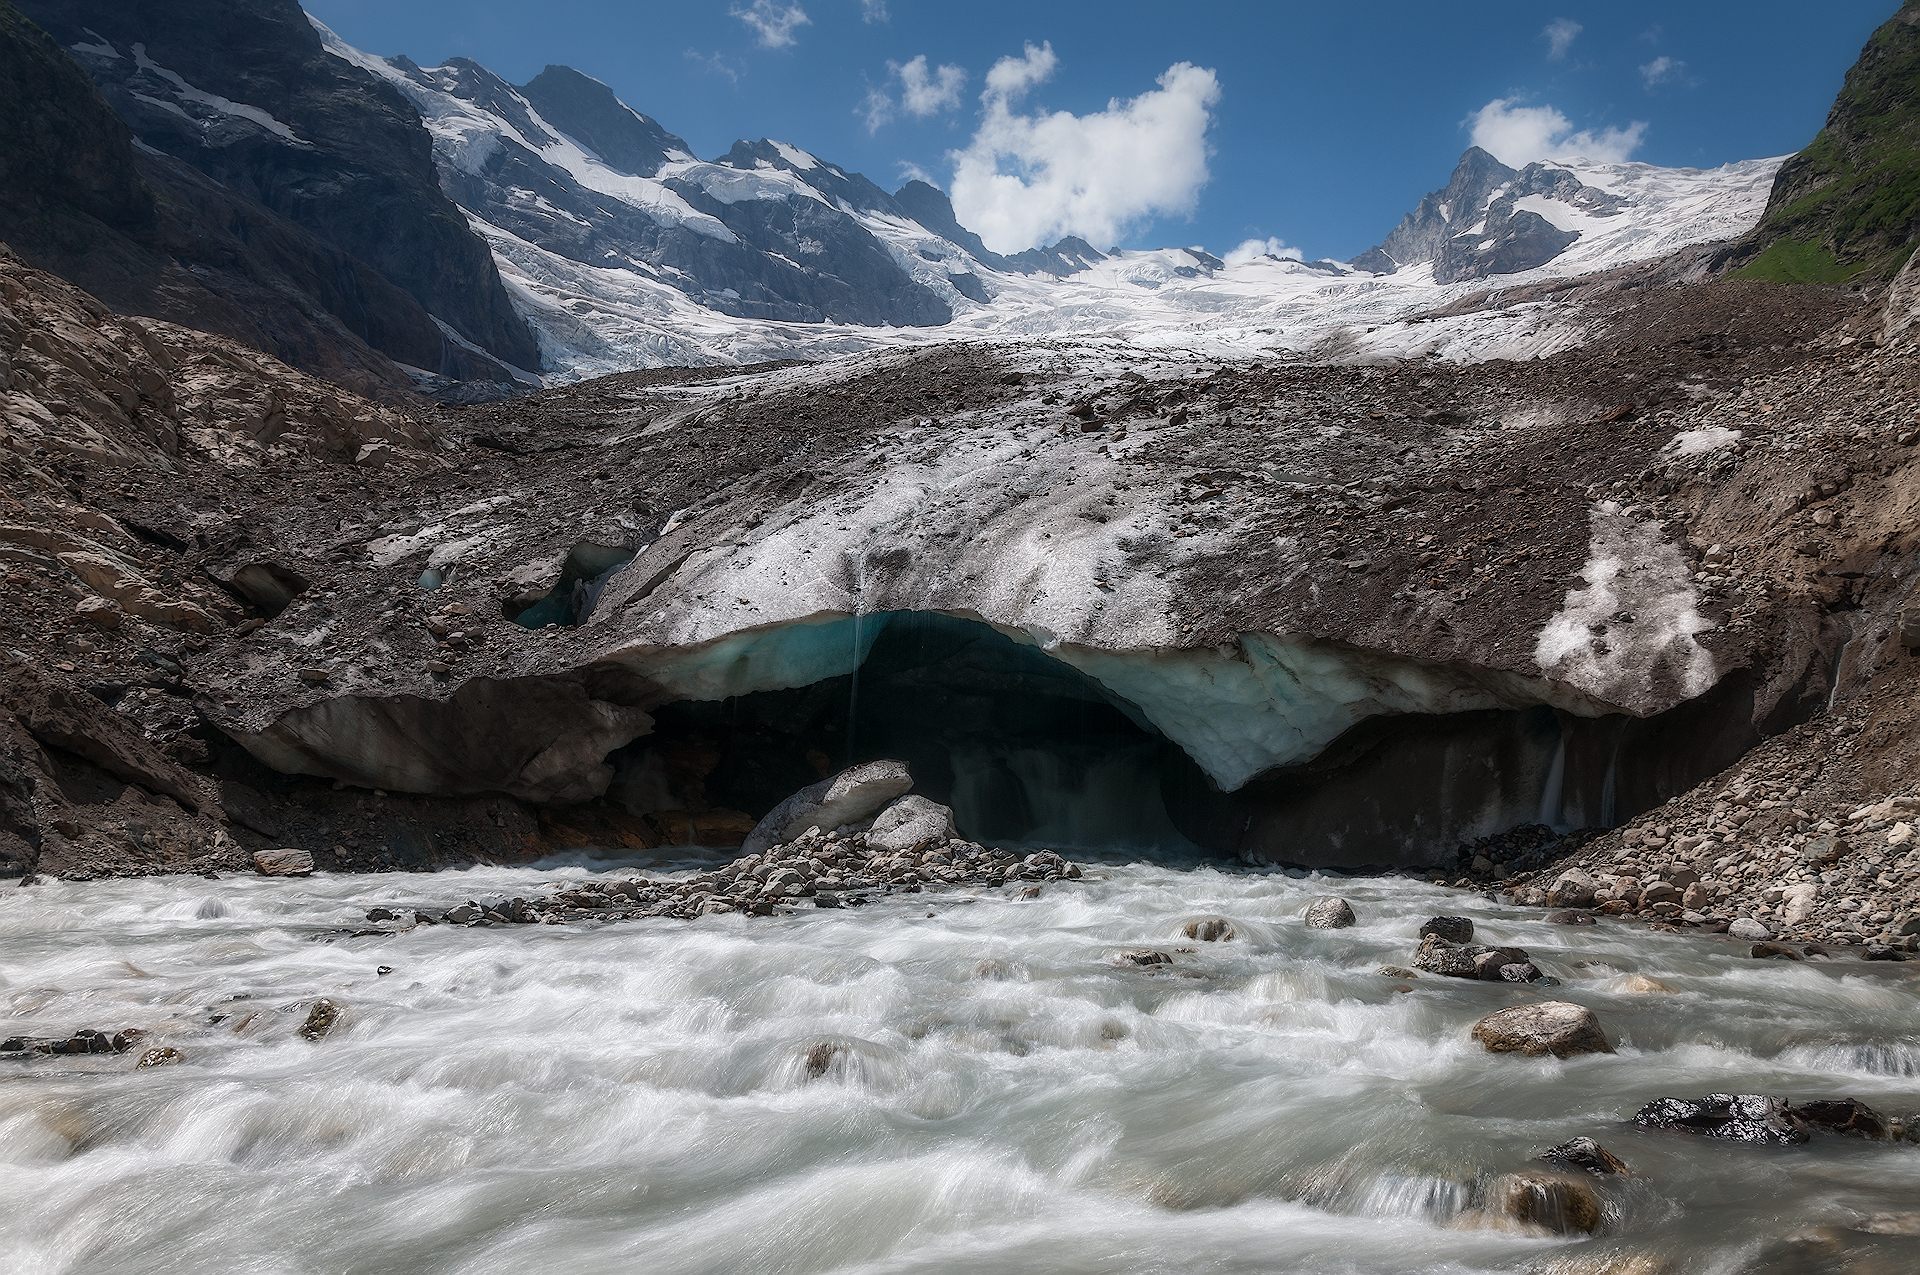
(1254, 249)
(874, 11)
(773, 22)
(1517, 135)
(1012, 77)
(1560, 35)
(924, 91)
(1028, 179)
(1663, 70)
(928, 92)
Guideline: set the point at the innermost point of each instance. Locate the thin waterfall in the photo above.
(1550, 797)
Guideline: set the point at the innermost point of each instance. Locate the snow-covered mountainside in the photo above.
(622, 250)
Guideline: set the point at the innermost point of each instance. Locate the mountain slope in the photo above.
(243, 91)
(1849, 204)
(151, 235)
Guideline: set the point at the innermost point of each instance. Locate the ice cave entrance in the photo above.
(1029, 749)
(1023, 747)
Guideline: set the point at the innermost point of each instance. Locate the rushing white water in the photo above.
(636, 1096)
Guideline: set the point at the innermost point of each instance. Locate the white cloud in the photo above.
(928, 92)
(1254, 249)
(1029, 179)
(924, 91)
(910, 172)
(878, 108)
(874, 11)
(1560, 35)
(1012, 77)
(1517, 135)
(1663, 70)
(773, 22)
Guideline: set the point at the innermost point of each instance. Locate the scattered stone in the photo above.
(287, 862)
(1551, 1027)
(1396, 971)
(1560, 1203)
(1520, 972)
(104, 612)
(1749, 930)
(315, 675)
(320, 1020)
(910, 823)
(1775, 952)
(164, 1056)
(1454, 929)
(1571, 918)
(1571, 889)
(1211, 929)
(1587, 1155)
(1329, 914)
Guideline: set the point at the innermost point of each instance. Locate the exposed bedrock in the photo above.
(542, 740)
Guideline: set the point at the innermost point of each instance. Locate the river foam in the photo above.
(933, 1082)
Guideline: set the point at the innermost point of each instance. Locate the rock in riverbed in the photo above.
(1454, 929)
(1557, 1202)
(1585, 1154)
(1763, 1119)
(1552, 1027)
(290, 862)
(1329, 914)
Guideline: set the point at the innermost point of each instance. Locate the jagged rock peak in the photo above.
(1474, 227)
(588, 112)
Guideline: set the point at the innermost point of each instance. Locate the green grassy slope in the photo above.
(1848, 206)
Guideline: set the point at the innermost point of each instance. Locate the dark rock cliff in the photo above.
(243, 91)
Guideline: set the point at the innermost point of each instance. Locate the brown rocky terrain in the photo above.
(1685, 543)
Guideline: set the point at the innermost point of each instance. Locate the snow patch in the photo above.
(1627, 637)
(1697, 442)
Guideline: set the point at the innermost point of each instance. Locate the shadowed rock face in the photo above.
(242, 91)
(1473, 228)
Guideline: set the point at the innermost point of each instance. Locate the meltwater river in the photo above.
(637, 1096)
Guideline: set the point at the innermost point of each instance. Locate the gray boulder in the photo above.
(855, 794)
(909, 823)
(1551, 1027)
(1329, 914)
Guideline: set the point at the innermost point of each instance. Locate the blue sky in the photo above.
(1320, 124)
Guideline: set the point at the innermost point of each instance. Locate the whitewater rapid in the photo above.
(998, 1093)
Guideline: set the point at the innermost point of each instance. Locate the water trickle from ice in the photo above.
(929, 1083)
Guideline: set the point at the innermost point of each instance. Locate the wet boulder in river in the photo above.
(1329, 914)
(1209, 929)
(1557, 1202)
(1551, 1027)
(1585, 1154)
(1849, 1116)
(1754, 1118)
(1438, 956)
(1454, 929)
